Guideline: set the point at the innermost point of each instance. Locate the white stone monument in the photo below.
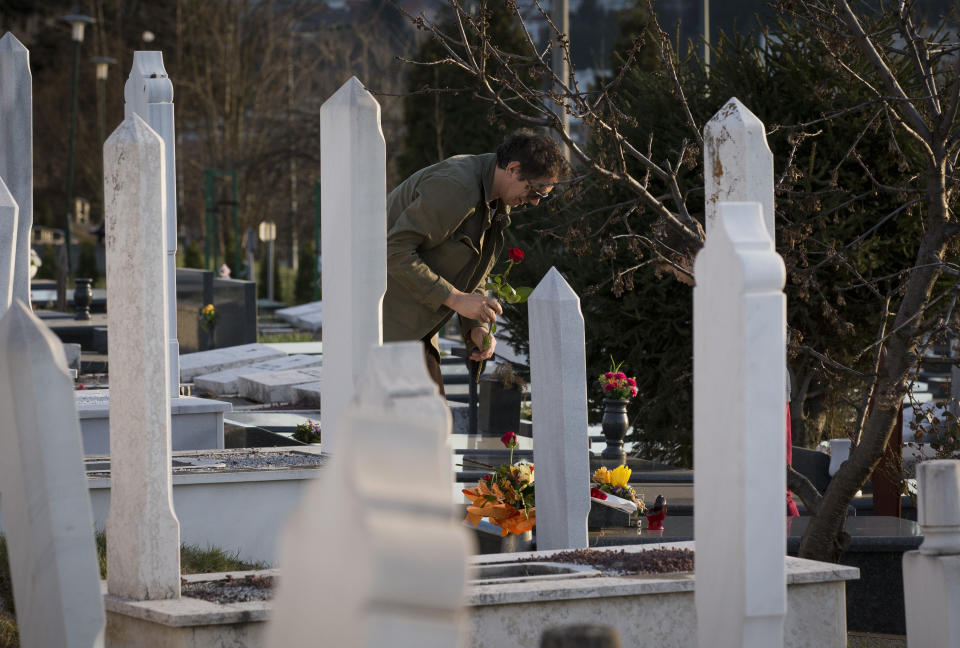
(143, 554)
(148, 92)
(737, 163)
(16, 149)
(8, 245)
(931, 575)
(378, 525)
(354, 248)
(43, 491)
(739, 314)
(558, 379)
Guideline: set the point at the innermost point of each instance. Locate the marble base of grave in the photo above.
(645, 610)
(877, 544)
(215, 492)
(196, 423)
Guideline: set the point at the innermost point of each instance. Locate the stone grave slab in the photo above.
(197, 423)
(276, 386)
(294, 348)
(205, 362)
(308, 393)
(307, 316)
(310, 321)
(227, 381)
(272, 421)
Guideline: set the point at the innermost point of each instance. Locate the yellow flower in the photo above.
(620, 476)
(601, 475)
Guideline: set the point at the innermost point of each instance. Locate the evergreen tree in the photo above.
(454, 122)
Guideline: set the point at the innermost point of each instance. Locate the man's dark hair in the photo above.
(538, 155)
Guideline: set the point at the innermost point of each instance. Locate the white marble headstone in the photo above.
(148, 92)
(931, 576)
(43, 491)
(354, 247)
(737, 162)
(558, 379)
(143, 554)
(407, 590)
(16, 149)
(8, 245)
(739, 423)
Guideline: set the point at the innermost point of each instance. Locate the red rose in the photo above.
(486, 478)
(620, 375)
(516, 255)
(609, 387)
(631, 382)
(633, 391)
(597, 493)
(509, 439)
(608, 375)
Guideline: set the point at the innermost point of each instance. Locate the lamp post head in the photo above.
(103, 64)
(77, 23)
(148, 36)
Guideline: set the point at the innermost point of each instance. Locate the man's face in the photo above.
(522, 190)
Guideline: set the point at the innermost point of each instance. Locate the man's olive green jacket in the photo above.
(441, 234)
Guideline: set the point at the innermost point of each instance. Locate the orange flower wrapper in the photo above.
(488, 502)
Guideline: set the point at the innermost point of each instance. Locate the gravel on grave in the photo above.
(625, 563)
(230, 589)
(255, 459)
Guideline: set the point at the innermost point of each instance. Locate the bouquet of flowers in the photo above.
(611, 487)
(504, 496)
(616, 385)
(208, 317)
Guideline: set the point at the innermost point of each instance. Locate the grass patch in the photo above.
(9, 635)
(193, 559)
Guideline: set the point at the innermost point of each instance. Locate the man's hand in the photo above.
(474, 306)
(477, 335)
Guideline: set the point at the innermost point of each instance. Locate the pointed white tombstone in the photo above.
(385, 497)
(737, 163)
(739, 313)
(16, 149)
(148, 92)
(143, 554)
(931, 575)
(558, 378)
(354, 248)
(43, 490)
(8, 245)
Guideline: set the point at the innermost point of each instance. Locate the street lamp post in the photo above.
(103, 64)
(77, 23)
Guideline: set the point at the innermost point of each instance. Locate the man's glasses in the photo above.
(543, 197)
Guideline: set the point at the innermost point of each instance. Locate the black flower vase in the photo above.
(82, 296)
(211, 341)
(614, 425)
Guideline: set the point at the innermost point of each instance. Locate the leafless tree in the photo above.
(914, 86)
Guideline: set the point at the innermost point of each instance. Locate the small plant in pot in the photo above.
(308, 432)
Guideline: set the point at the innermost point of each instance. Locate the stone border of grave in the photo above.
(639, 607)
(273, 491)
